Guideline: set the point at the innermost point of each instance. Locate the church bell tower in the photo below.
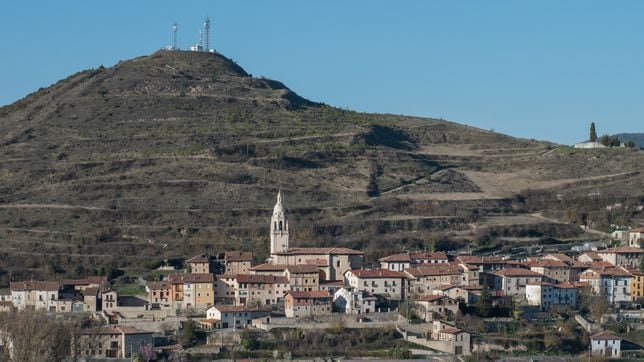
(279, 227)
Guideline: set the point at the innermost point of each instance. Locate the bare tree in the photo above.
(36, 336)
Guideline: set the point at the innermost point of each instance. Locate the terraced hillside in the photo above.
(178, 152)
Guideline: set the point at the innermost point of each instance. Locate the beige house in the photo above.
(305, 278)
(199, 264)
(624, 256)
(192, 290)
(457, 341)
(260, 289)
(402, 261)
(422, 279)
(35, 295)
(589, 257)
(634, 238)
(114, 342)
(387, 283)
(512, 282)
(268, 269)
(233, 262)
(225, 289)
(433, 307)
(558, 256)
(159, 295)
(554, 271)
(308, 304)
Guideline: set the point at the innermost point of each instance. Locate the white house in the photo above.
(547, 295)
(231, 316)
(354, 301)
(387, 283)
(611, 283)
(402, 261)
(606, 344)
(635, 236)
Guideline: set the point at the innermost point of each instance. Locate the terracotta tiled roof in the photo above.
(414, 256)
(261, 279)
(622, 250)
(159, 286)
(451, 330)
(431, 298)
(606, 335)
(321, 294)
(433, 269)
(96, 280)
(34, 285)
(224, 308)
(558, 256)
(191, 278)
(376, 273)
(203, 258)
(269, 267)
(6, 303)
(321, 251)
(517, 272)
(116, 330)
(475, 259)
(638, 230)
(317, 262)
(591, 254)
(547, 263)
(300, 269)
(238, 256)
(93, 291)
(566, 285)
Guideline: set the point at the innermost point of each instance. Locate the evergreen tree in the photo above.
(593, 134)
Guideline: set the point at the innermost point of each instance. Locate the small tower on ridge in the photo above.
(279, 227)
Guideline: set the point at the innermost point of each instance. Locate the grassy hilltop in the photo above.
(178, 153)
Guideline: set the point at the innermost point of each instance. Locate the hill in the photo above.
(176, 153)
(638, 138)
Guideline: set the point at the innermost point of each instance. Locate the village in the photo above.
(419, 293)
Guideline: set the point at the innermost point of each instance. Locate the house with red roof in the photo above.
(512, 282)
(606, 344)
(381, 282)
(308, 304)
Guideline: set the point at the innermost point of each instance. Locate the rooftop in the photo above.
(433, 269)
(376, 273)
(261, 279)
(34, 285)
(116, 330)
(203, 258)
(518, 272)
(321, 251)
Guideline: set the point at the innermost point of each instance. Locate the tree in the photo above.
(629, 144)
(188, 333)
(593, 134)
(484, 304)
(36, 336)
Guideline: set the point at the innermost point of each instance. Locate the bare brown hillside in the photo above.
(175, 153)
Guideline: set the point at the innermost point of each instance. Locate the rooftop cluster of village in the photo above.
(302, 285)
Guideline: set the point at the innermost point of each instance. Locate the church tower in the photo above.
(279, 227)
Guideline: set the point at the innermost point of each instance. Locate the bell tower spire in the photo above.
(279, 227)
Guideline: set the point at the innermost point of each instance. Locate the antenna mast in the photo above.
(175, 28)
(206, 28)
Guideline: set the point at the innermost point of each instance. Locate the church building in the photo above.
(331, 262)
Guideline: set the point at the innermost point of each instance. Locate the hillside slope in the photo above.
(179, 152)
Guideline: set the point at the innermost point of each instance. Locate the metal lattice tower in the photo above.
(175, 28)
(206, 29)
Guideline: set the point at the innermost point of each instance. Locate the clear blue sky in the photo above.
(536, 69)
